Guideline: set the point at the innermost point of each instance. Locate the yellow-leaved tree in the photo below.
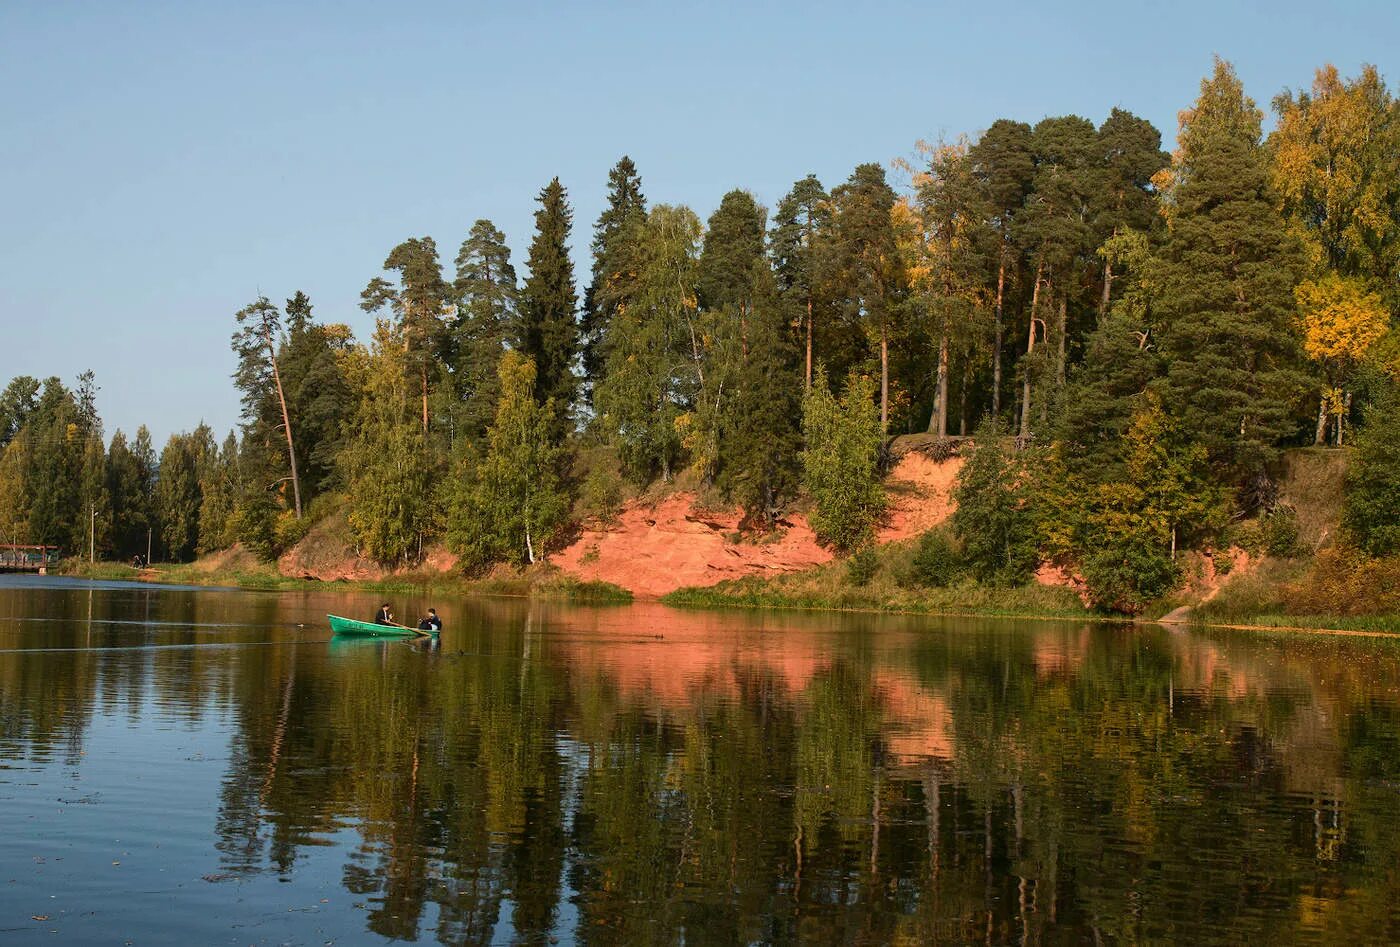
(1341, 322)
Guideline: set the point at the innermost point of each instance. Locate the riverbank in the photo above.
(545, 582)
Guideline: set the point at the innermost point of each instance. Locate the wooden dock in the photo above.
(27, 558)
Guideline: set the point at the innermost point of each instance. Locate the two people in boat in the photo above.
(430, 622)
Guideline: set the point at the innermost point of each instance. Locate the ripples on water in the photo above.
(207, 767)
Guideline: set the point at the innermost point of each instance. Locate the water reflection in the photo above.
(648, 775)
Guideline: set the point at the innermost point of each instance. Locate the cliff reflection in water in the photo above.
(644, 775)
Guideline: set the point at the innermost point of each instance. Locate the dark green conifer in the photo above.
(548, 333)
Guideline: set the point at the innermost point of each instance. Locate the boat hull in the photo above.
(350, 628)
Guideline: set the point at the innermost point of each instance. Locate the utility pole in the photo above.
(92, 535)
(148, 547)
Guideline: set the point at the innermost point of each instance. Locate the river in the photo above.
(207, 766)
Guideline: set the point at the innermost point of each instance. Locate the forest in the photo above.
(1120, 341)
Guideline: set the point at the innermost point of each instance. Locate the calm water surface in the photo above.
(197, 766)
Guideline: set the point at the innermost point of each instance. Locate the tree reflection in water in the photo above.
(645, 775)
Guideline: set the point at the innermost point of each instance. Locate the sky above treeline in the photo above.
(161, 164)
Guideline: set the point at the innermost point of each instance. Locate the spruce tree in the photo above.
(614, 266)
(657, 353)
(487, 308)
(128, 488)
(1225, 278)
(1371, 513)
(320, 396)
(548, 332)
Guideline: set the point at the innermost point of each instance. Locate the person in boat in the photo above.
(432, 622)
(384, 616)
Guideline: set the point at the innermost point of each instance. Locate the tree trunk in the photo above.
(884, 380)
(1107, 284)
(1062, 330)
(809, 343)
(1321, 433)
(938, 421)
(286, 425)
(996, 338)
(962, 395)
(1030, 349)
(423, 373)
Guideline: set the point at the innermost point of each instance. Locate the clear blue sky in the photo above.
(163, 163)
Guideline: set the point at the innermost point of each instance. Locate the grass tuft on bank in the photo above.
(882, 579)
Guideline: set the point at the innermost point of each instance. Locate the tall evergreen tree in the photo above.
(803, 215)
(1055, 229)
(548, 332)
(657, 354)
(864, 253)
(1129, 152)
(1003, 162)
(420, 302)
(613, 267)
(256, 342)
(320, 396)
(486, 312)
(129, 487)
(179, 494)
(52, 474)
(1226, 288)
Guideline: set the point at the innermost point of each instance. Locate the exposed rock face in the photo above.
(655, 549)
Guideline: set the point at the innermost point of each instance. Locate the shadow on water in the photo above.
(645, 775)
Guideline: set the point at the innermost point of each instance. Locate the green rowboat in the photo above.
(350, 628)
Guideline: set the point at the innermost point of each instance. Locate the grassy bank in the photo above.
(882, 583)
(544, 583)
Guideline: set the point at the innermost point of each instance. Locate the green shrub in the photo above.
(995, 521)
(600, 495)
(1127, 576)
(862, 566)
(937, 562)
(290, 530)
(1279, 532)
(1371, 512)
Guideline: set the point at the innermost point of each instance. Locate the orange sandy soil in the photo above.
(655, 549)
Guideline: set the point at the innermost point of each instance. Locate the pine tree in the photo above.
(548, 333)
(319, 392)
(1225, 281)
(511, 505)
(1003, 163)
(1129, 152)
(864, 254)
(256, 342)
(802, 218)
(1054, 228)
(614, 268)
(486, 311)
(420, 302)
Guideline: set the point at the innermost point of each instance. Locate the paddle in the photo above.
(419, 632)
